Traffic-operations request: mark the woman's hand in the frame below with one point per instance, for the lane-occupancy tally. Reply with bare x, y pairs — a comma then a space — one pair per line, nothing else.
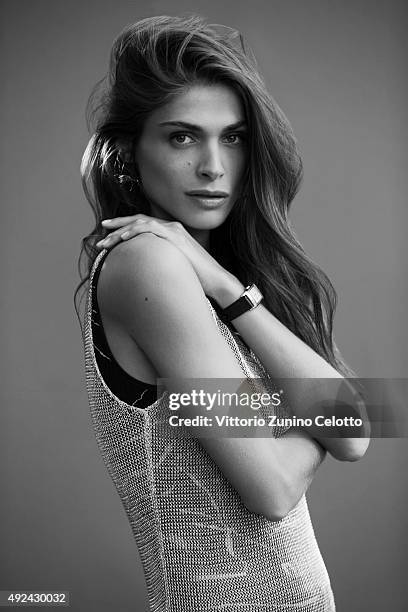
211, 274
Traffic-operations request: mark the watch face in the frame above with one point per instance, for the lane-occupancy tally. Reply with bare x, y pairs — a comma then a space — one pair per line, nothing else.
257, 294
254, 295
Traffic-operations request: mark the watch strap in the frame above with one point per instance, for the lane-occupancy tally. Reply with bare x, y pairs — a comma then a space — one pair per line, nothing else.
250, 298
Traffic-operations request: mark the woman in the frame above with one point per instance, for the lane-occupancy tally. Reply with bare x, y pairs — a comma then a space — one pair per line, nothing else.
195, 167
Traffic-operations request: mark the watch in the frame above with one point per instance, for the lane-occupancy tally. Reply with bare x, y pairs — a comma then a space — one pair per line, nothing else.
250, 299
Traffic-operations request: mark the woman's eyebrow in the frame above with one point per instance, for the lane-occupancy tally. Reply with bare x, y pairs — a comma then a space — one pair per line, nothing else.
197, 128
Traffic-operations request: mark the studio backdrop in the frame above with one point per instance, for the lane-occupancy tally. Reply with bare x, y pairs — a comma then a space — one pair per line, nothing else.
338, 71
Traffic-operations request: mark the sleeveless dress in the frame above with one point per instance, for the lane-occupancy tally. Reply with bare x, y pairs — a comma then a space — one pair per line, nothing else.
200, 548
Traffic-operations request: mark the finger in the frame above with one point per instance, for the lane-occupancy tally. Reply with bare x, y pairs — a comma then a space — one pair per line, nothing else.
116, 236
109, 241
134, 230
120, 221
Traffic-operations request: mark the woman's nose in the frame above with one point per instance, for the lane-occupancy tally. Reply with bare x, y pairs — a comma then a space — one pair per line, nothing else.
210, 165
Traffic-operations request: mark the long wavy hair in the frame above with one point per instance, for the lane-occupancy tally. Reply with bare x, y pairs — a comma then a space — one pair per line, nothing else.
152, 61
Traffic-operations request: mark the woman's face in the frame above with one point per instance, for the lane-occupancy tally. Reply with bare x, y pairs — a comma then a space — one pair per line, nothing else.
191, 157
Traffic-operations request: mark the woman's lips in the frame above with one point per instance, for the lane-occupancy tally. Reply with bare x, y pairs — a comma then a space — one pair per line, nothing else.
206, 202
209, 200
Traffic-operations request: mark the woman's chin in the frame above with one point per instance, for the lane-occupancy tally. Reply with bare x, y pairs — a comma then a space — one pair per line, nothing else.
205, 220
200, 220
204, 225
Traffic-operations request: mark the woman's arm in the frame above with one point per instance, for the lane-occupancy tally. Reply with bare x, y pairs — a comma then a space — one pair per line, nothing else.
270, 475
151, 289
284, 355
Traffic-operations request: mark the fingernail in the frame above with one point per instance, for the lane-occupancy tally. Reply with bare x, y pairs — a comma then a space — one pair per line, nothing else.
125, 235
106, 221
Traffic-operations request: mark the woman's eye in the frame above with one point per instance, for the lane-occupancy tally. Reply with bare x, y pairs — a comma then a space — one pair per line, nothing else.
181, 138
237, 138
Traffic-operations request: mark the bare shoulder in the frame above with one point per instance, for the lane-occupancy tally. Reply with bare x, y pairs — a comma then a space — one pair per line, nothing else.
146, 255
145, 271
151, 291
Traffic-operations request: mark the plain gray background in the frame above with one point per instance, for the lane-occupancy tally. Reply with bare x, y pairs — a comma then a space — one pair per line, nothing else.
338, 71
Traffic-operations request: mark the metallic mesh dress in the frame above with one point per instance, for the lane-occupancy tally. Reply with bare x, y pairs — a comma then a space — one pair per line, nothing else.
200, 548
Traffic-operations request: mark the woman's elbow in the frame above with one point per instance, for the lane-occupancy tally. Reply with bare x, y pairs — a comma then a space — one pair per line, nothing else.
354, 451
276, 506
272, 512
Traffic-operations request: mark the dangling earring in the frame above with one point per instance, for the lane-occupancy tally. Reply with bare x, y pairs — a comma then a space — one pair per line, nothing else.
122, 174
